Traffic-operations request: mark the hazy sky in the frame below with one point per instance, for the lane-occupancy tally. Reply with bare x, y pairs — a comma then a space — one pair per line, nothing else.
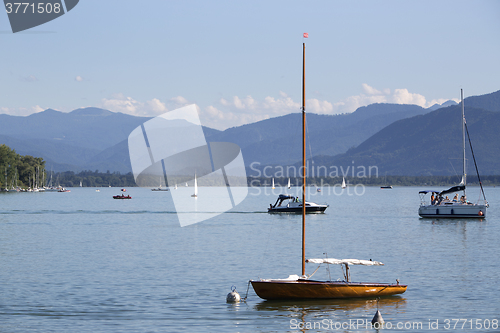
240, 61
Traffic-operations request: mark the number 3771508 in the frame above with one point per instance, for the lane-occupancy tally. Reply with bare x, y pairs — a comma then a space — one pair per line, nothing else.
26, 8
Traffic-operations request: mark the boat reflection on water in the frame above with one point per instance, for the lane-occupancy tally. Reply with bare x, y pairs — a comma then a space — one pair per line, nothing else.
343, 304
329, 314
451, 221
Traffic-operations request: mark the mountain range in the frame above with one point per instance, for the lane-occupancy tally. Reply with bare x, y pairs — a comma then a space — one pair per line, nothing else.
398, 139
431, 144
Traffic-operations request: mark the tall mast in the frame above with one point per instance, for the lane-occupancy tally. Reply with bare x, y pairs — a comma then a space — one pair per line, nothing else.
464, 174
304, 159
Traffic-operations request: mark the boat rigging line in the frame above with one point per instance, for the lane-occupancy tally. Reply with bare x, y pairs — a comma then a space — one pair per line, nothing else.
475, 164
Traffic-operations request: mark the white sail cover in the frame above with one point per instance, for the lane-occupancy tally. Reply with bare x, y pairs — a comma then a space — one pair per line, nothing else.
334, 261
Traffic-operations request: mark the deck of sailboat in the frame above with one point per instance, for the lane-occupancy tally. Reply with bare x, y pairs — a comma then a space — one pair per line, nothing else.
453, 210
311, 289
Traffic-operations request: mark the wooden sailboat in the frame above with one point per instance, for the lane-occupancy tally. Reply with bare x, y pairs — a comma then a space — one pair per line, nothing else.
195, 195
303, 287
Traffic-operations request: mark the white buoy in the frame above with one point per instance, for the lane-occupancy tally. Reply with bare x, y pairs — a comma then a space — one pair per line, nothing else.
233, 296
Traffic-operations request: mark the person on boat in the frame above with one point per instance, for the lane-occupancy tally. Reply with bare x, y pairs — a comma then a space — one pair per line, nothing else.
455, 198
447, 199
462, 199
433, 199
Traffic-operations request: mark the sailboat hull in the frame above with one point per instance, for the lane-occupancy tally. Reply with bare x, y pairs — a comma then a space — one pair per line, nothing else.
309, 289
453, 211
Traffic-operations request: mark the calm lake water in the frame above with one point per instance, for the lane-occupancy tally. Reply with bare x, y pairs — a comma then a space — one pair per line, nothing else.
83, 262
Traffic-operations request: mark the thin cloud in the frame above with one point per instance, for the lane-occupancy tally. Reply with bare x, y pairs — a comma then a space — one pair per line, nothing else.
131, 106
79, 78
29, 78
237, 111
179, 100
21, 111
372, 95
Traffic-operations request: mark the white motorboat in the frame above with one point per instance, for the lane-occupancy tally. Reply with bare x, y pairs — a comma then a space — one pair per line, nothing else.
290, 204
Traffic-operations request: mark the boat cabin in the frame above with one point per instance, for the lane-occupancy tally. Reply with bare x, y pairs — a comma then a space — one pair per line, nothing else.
284, 197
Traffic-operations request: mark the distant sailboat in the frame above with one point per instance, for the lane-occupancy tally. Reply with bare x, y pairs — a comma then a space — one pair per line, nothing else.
175, 188
289, 186
273, 185
195, 195
386, 186
159, 188
343, 183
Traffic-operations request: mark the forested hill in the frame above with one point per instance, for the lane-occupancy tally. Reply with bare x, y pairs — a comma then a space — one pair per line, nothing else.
19, 171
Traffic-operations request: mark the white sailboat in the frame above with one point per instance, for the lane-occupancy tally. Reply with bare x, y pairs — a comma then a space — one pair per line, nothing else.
160, 188
195, 195
273, 185
175, 188
442, 206
343, 183
289, 186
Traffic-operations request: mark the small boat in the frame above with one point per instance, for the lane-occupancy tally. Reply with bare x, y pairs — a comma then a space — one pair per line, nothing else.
303, 287
97, 190
441, 206
195, 195
159, 188
385, 182
62, 189
343, 183
290, 204
175, 188
289, 186
272, 186
122, 196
